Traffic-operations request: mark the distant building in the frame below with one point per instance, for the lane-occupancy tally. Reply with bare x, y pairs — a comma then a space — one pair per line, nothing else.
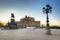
23, 23
28, 22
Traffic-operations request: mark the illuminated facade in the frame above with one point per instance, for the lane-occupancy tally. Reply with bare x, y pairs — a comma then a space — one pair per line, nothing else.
28, 22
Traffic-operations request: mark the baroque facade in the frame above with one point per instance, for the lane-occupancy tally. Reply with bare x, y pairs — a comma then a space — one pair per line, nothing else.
28, 22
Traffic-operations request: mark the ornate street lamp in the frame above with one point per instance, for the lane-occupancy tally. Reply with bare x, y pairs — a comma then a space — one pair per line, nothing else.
46, 10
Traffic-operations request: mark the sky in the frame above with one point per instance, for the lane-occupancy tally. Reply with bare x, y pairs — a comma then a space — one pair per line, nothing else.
32, 8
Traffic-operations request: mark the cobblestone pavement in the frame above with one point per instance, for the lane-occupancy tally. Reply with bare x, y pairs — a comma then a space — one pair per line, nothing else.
29, 34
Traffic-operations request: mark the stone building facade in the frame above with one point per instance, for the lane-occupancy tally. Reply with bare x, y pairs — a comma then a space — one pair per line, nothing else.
28, 22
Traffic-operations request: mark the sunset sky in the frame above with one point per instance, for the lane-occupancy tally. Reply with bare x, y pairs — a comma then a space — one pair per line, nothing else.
32, 8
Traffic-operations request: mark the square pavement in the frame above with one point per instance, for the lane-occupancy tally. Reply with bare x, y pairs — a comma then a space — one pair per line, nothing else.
29, 34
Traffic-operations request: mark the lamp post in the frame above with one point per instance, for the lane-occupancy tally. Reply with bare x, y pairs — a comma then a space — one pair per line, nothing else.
46, 10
